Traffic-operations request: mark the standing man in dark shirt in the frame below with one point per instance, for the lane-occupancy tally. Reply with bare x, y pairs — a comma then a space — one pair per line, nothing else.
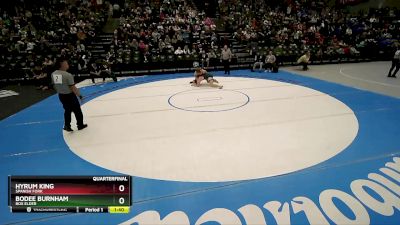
67, 92
395, 63
258, 61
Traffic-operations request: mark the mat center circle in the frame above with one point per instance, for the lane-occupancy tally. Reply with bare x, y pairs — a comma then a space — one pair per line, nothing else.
211, 100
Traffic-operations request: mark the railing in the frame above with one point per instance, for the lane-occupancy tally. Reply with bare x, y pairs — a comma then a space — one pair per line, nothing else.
173, 64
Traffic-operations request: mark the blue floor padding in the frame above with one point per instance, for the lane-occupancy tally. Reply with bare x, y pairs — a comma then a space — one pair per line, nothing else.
31, 143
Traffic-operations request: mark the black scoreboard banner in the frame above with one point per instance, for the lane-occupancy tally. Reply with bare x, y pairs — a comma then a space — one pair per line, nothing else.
78, 194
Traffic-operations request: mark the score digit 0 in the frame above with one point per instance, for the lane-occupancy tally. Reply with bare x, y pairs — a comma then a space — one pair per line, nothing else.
121, 188
121, 200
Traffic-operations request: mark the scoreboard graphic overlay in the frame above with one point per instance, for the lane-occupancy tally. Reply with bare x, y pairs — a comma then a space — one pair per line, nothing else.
93, 194
360, 185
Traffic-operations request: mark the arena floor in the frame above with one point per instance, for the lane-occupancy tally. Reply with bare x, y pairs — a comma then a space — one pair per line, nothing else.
294, 147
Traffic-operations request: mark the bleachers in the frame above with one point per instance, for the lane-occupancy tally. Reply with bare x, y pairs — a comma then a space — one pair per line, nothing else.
246, 38
49, 31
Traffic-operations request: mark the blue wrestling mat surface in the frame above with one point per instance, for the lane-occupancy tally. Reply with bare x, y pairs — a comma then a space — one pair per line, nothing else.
360, 185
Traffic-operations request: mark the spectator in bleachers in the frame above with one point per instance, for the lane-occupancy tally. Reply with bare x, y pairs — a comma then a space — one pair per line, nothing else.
47, 68
178, 51
39, 78
258, 62
176, 25
287, 27
80, 47
34, 30
142, 46
309, 23
186, 50
205, 60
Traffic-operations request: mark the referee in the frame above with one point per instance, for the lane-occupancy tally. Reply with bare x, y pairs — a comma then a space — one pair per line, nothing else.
226, 56
67, 93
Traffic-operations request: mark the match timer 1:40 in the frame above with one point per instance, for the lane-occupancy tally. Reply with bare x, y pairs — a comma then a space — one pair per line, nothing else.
89, 194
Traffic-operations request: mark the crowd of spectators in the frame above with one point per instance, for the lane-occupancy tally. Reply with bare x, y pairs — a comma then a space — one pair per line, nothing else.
172, 33
292, 27
32, 35
169, 33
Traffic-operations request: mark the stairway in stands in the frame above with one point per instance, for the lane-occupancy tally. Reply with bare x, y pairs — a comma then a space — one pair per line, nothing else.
241, 52
100, 45
198, 5
102, 42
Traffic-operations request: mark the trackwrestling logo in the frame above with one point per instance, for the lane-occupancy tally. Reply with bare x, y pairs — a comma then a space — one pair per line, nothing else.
385, 201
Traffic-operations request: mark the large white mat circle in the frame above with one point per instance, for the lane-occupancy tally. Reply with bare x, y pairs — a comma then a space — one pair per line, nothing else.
283, 128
